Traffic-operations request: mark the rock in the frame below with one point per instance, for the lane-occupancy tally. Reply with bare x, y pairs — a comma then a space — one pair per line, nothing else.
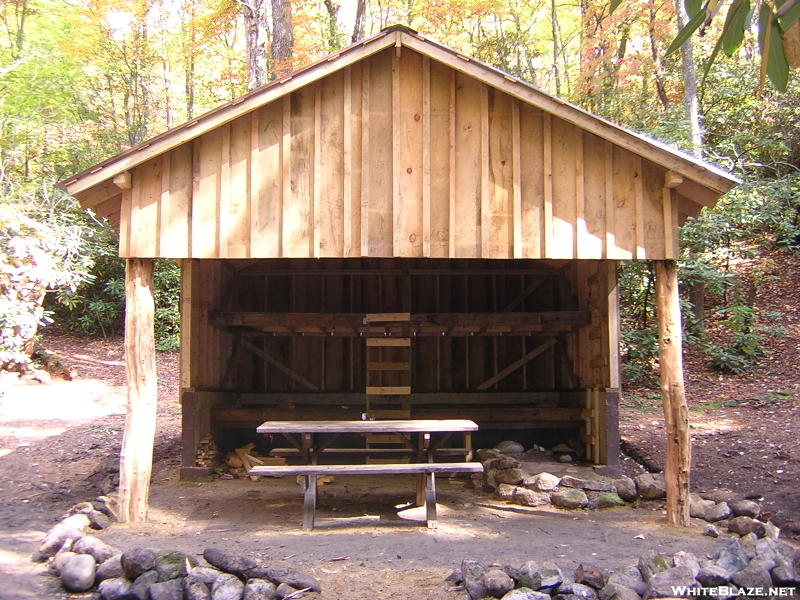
284, 590
607, 500
748, 543
512, 572
61, 559
227, 587
564, 458
524, 593
259, 589
626, 488
95, 547
616, 591
569, 498
98, 521
576, 591
782, 552
484, 454
530, 575
784, 575
551, 575
688, 560
595, 485
510, 476
698, 507
506, 492
167, 590
746, 508
490, 480
652, 562
117, 588
662, 584
745, 525
110, 569
731, 557
293, 577
55, 538
752, 576
771, 531
629, 577
542, 482
172, 565
136, 561
718, 512
497, 583
205, 574
501, 463
713, 576
527, 497
711, 531
651, 486
140, 590
510, 447
589, 575
194, 589
764, 562
473, 574
561, 448
77, 575
230, 563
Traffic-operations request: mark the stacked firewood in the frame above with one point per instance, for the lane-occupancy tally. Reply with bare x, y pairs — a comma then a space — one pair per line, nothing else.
207, 453
237, 463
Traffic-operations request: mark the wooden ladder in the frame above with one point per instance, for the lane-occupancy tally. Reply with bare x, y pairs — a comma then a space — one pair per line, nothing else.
388, 352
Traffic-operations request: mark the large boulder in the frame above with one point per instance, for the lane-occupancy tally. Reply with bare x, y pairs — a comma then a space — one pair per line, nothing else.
78, 573
173, 565
746, 508
575, 591
616, 591
295, 578
551, 575
753, 575
607, 500
594, 485
140, 590
167, 590
55, 538
688, 560
699, 507
110, 569
94, 547
713, 576
194, 589
511, 476
651, 486
524, 593
718, 512
630, 577
117, 588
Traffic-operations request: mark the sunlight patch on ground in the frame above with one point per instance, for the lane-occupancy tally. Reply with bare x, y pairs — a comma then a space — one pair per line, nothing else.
62, 400
30, 432
705, 426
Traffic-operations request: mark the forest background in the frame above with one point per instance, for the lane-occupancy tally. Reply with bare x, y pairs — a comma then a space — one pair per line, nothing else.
81, 80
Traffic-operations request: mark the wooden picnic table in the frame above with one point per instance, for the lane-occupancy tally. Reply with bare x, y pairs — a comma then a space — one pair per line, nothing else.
312, 439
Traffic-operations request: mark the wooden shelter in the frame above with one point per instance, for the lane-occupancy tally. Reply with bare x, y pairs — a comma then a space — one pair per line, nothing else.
399, 176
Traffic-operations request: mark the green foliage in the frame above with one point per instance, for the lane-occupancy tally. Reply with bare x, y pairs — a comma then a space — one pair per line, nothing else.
746, 340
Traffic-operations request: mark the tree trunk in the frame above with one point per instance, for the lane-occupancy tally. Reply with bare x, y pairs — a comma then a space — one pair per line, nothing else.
136, 456
256, 28
676, 411
691, 105
282, 38
358, 27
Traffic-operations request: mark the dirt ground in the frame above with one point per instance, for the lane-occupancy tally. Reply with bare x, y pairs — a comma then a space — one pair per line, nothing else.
57, 439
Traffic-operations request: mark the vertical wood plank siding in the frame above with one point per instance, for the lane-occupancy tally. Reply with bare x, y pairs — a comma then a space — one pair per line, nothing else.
398, 156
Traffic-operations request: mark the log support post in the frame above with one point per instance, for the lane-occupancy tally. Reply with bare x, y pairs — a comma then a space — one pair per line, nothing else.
136, 456
676, 410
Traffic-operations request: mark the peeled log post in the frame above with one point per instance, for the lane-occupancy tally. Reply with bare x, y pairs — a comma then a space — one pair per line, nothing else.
136, 457
676, 411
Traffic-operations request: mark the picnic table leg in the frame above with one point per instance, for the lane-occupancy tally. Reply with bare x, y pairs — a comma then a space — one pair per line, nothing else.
309, 501
430, 500
422, 456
